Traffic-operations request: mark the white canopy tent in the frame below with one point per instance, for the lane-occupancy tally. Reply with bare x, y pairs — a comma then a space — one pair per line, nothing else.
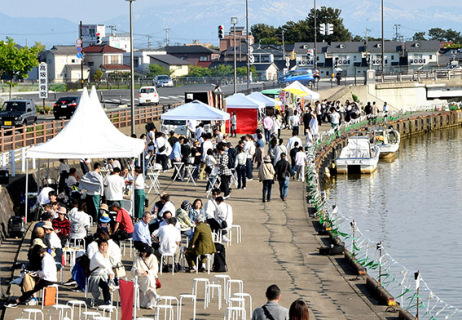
269, 102
239, 100
195, 110
89, 134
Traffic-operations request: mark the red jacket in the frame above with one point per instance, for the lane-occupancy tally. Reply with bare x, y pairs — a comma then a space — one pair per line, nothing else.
64, 225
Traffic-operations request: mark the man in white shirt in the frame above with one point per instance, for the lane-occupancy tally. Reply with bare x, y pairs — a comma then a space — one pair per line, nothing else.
291, 143
199, 131
295, 122
211, 205
300, 163
169, 241
167, 205
163, 150
71, 179
206, 145
334, 119
48, 276
114, 187
249, 149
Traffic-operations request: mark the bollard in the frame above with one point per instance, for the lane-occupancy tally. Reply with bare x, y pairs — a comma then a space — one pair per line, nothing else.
380, 247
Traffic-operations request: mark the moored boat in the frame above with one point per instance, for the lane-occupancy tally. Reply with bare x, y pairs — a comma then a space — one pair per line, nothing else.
359, 156
387, 140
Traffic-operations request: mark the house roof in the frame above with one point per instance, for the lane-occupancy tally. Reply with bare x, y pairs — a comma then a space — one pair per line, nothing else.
63, 50
189, 49
422, 46
169, 59
102, 48
115, 67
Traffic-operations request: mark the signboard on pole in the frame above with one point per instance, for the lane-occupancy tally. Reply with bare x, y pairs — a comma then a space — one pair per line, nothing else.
43, 80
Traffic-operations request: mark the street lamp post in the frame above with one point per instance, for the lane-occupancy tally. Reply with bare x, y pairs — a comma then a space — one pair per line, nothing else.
315, 38
383, 49
248, 42
132, 70
234, 22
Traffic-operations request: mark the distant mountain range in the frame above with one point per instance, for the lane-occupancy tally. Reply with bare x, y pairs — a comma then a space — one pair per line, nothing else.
190, 20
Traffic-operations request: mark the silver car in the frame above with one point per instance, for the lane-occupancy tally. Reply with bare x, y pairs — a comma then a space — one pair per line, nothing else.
163, 81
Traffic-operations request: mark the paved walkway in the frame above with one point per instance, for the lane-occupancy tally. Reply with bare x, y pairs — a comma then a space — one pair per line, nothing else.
279, 245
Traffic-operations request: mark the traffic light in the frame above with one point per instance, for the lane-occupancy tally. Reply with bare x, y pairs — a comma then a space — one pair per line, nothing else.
221, 32
330, 28
98, 38
322, 28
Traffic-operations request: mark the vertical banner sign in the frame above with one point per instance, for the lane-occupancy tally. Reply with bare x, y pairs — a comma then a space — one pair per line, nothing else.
43, 81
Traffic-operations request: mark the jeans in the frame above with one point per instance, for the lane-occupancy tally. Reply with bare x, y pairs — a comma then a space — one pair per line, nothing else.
267, 135
284, 187
241, 179
248, 168
267, 186
162, 159
295, 130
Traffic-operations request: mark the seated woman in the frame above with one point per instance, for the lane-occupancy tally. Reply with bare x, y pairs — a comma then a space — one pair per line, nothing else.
47, 276
182, 215
145, 267
196, 210
102, 273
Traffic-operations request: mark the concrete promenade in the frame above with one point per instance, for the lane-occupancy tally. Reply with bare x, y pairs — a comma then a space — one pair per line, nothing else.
279, 245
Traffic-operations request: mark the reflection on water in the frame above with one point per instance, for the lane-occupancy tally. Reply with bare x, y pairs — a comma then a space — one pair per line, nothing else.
413, 205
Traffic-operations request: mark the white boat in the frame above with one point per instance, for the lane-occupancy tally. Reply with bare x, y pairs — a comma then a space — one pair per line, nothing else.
387, 140
359, 156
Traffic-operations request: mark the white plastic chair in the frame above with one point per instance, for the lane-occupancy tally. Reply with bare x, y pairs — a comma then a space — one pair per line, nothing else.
208, 262
243, 296
167, 256
234, 313
187, 296
77, 303
223, 278
30, 312
64, 311
209, 290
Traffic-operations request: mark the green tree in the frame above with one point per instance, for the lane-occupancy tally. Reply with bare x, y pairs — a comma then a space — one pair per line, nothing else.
265, 34
98, 75
419, 36
17, 61
303, 30
198, 71
155, 70
454, 36
437, 34
242, 71
221, 70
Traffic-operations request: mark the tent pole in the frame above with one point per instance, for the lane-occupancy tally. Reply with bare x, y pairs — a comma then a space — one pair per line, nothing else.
38, 176
27, 190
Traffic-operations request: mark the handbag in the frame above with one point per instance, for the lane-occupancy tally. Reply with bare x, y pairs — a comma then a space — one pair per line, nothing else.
158, 284
120, 270
49, 298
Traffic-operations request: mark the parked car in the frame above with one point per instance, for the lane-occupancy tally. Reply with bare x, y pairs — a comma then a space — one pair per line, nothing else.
16, 113
178, 126
148, 95
163, 81
65, 107
304, 76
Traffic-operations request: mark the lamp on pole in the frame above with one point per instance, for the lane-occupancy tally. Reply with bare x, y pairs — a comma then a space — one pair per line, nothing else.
132, 70
315, 38
383, 49
234, 22
248, 42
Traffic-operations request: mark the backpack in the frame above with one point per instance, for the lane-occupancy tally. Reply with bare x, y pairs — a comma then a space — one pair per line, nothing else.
85, 264
219, 261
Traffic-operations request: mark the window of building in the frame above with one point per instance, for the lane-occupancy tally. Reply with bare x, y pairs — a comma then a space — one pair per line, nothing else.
430, 56
203, 58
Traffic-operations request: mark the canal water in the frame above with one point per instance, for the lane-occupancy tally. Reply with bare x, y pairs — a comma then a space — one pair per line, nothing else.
414, 205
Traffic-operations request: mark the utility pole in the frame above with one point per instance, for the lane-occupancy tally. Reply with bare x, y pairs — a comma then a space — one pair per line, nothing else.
113, 28
234, 22
248, 42
283, 47
397, 26
149, 40
315, 38
167, 42
368, 58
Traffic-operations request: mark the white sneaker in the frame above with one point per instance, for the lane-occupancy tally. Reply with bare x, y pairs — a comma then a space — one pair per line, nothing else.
225, 239
149, 306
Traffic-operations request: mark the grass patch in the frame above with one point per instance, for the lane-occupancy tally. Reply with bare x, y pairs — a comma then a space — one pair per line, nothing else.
58, 87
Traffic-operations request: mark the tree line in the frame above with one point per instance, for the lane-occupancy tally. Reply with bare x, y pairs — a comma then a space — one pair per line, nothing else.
303, 30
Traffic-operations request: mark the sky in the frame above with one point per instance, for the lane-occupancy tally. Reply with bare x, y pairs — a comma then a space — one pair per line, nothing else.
198, 19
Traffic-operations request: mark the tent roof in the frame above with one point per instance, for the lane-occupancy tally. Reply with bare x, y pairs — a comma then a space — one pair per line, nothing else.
195, 110
89, 134
300, 90
269, 102
239, 100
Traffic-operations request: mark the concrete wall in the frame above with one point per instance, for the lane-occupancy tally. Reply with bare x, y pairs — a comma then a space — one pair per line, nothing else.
6, 211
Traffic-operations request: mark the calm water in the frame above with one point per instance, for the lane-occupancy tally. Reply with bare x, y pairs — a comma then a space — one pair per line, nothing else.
414, 205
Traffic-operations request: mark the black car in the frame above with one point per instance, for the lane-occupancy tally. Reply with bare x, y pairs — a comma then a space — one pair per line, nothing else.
65, 107
16, 113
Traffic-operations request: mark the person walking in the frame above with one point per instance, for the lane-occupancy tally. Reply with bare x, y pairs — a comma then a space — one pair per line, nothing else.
266, 175
271, 309
233, 124
282, 170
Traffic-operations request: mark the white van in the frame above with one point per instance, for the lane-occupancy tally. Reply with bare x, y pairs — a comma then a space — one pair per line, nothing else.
178, 126
148, 95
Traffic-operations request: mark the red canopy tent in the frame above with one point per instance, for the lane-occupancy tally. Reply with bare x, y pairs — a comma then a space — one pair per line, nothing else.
247, 112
